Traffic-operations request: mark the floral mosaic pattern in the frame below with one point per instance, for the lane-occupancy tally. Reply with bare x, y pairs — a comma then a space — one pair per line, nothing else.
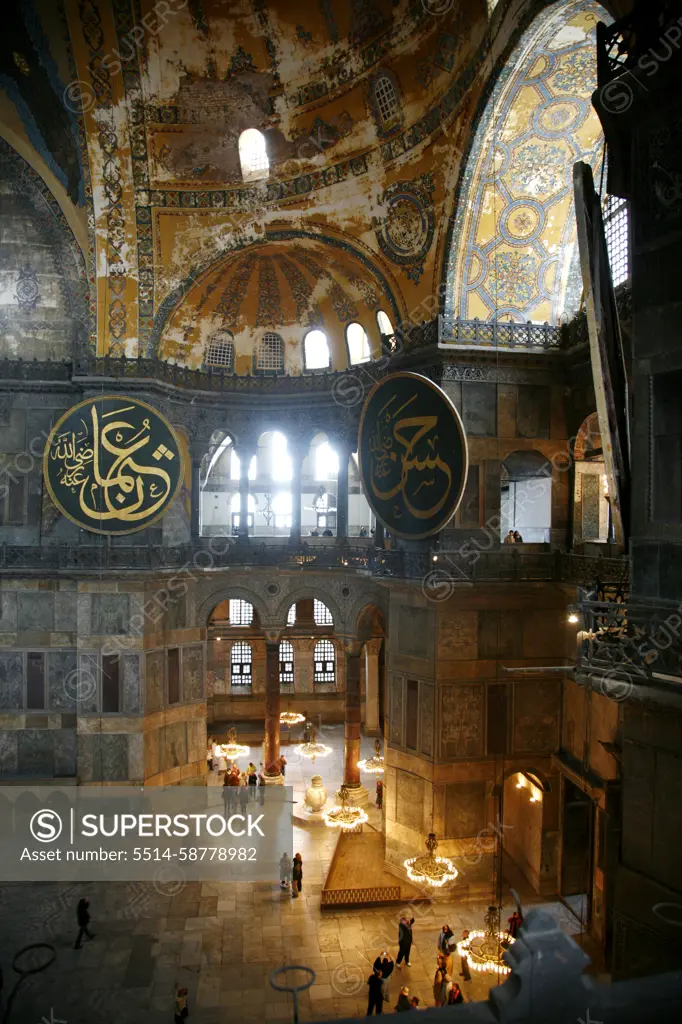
514, 246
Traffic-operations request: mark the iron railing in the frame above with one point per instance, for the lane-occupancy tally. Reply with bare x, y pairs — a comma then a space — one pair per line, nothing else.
497, 334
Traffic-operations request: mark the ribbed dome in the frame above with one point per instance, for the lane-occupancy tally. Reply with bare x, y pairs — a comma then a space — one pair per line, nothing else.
284, 287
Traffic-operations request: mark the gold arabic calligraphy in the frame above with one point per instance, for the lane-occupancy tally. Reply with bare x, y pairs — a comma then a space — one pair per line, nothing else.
416, 473
128, 491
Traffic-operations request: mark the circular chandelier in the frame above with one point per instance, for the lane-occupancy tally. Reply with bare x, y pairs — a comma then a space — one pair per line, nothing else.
232, 749
344, 816
291, 718
484, 950
374, 765
312, 749
429, 869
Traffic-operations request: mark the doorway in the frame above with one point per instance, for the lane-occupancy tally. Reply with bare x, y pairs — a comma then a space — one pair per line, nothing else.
577, 851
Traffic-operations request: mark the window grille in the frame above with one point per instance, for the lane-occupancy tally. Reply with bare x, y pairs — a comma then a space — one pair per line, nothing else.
240, 665
253, 155
286, 663
241, 612
220, 351
386, 97
325, 662
616, 229
321, 614
291, 617
270, 352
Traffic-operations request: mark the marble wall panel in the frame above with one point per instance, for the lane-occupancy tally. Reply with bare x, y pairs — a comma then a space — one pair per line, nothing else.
192, 672
426, 699
153, 680
114, 753
61, 673
136, 757
87, 686
464, 809
414, 632
9, 752
462, 707
151, 753
410, 801
35, 611
65, 747
131, 682
396, 716
36, 753
8, 612
532, 419
11, 680
458, 634
537, 713
65, 612
89, 758
110, 614
173, 745
479, 409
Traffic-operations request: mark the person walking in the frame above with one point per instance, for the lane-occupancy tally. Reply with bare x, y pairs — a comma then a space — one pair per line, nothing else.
227, 797
384, 964
464, 971
283, 765
446, 934
404, 941
285, 875
376, 998
380, 793
297, 876
209, 753
404, 1003
440, 983
83, 918
261, 788
181, 1010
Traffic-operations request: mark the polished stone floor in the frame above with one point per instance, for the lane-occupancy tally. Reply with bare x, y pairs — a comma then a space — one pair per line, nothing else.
221, 940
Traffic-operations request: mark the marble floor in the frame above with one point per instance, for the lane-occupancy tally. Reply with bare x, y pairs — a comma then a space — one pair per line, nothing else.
222, 940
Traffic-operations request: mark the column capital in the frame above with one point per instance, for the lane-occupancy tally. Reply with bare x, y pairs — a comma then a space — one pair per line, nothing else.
374, 645
272, 635
351, 646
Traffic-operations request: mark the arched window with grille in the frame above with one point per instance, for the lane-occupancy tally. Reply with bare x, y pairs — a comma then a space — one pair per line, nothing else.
241, 612
291, 616
316, 354
387, 101
286, 665
253, 155
324, 660
321, 614
270, 356
358, 344
220, 351
241, 660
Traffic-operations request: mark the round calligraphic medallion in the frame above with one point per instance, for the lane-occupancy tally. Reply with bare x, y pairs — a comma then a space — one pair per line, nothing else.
113, 465
413, 455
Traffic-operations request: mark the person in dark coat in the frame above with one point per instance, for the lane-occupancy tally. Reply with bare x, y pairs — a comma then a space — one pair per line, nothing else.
464, 971
444, 939
297, 876
376, 993
515, 922
181, 1011
83, 918
384, 964
404, 941
380, 793
403, 1003
455, 995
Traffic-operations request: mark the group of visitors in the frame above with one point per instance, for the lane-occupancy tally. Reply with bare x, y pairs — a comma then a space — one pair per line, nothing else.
379, 987
291, 874
513, 537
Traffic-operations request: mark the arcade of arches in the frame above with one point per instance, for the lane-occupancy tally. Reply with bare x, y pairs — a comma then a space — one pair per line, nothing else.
245, 215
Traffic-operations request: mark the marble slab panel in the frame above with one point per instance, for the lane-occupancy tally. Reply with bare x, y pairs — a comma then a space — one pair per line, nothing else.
66, 611
36, 752
8, 612
9, 752
65, 753
35, 611
131, 686
61, 680
192, 672
110, 614
11, 680
154, 671
114, 750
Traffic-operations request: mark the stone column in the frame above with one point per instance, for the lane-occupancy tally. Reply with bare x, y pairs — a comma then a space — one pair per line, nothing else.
372, 649
342, 494
357, 794
272, 773
297, 453
378, 534
197, 453
245, 453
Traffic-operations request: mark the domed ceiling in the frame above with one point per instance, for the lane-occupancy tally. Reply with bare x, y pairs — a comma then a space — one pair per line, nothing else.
288, 285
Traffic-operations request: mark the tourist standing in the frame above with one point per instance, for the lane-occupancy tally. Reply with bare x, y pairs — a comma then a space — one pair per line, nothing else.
384, 964
227, 796
414, 1003
83, 918
404, 941
297, 876
509, 539
376, 996
515, 922
181, 1010
446, 934
454, 994
518, 539
380, 793
285, 869
464, 963
283, 765
209, 753
403, 1003
440, 983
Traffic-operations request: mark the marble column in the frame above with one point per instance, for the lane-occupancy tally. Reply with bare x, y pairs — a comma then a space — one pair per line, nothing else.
297, 453
245, 453
342, 494
357, 794
372, 649
197, 454
272, 774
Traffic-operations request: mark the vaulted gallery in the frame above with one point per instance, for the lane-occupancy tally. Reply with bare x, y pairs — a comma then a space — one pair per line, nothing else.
340, 482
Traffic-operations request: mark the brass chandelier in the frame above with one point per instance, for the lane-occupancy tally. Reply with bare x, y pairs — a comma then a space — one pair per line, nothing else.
312, 749
344, 816
291, 718
430, 869
373, 765
484, 950
232, 750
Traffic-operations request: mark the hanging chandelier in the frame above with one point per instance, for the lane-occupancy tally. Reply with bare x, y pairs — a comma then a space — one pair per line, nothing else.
312, 749
484, 950
373, 765
429, 869
344, 816
232, 750
291, 718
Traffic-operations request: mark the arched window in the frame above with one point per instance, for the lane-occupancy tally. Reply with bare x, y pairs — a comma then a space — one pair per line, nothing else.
286, 665
235, 509
616, 229
220, 351
282, 469
321, 614
316, 353
241, 612
384, 324
270, 357
240, 665
253, 155
281, 507
324, 660
358, 344
235, 467
326, 462
526, 497
387, 102
291, 616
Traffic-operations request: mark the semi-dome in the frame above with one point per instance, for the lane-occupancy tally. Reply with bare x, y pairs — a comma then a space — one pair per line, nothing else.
270, 307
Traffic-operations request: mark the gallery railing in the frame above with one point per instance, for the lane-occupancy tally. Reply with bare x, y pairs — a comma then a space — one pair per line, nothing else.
450, 569
453, 332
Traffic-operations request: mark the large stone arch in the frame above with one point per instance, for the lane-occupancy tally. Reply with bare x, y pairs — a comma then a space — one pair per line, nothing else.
223, 592
306, 593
